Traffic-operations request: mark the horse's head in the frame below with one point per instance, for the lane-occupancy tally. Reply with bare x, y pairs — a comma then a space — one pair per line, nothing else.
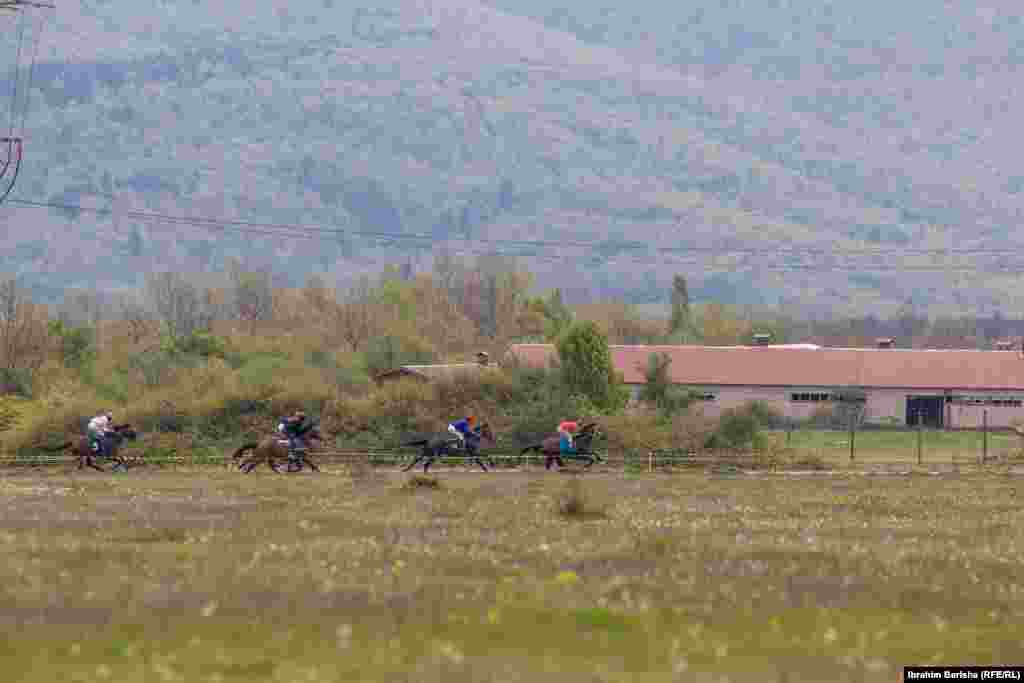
125, 432
586, 434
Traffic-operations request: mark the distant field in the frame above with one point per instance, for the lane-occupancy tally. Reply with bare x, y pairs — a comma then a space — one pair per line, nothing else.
937, 447
205, 575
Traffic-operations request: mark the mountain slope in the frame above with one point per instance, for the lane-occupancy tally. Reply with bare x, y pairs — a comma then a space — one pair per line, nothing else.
754, 125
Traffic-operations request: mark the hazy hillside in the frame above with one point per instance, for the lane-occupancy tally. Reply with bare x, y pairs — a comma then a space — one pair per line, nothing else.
750, 124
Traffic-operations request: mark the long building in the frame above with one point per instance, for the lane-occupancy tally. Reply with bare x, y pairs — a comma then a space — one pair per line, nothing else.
954, 389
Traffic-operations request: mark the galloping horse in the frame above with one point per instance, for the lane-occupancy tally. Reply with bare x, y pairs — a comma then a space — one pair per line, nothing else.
83, 449
551, 447
275, 448
444, 444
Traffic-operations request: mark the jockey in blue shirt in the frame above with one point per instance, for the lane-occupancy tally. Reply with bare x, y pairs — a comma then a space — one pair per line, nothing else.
295, 428
462, 428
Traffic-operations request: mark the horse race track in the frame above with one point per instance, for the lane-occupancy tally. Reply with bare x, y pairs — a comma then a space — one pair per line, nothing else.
208, 575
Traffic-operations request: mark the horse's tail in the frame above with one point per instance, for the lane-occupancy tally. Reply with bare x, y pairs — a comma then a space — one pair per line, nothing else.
54, 449
535, 447
244, 448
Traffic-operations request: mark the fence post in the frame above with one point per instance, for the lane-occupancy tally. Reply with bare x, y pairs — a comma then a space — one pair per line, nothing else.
984, 435
920, 436
853, 432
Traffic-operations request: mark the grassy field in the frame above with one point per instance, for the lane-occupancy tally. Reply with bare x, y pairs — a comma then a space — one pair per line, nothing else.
207, 575
937, 447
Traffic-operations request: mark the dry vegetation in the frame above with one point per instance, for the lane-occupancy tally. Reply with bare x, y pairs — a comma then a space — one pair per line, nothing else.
198, 364
199, 575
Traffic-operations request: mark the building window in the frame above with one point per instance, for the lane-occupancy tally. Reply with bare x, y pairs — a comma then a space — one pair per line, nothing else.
994, 401
811, 397
706, 396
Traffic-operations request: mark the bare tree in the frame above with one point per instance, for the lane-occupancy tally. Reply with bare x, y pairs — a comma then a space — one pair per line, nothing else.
352, 321
141, 322
322, 302
449, 275
356, 321
251, 293
24, 338
84, 308
179, 305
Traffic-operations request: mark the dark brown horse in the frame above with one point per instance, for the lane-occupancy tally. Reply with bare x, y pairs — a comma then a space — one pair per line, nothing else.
86, 455
272, 449
440, 445
551, 448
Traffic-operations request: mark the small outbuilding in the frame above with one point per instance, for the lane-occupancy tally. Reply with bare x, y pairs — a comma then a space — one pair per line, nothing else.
440, 371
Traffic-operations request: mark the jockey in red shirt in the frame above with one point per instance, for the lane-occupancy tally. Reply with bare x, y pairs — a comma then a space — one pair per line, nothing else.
566, 430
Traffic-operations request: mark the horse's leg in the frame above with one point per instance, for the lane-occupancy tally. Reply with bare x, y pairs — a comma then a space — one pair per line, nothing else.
312, 465
480, 461
430, 457
91, 463
412, 463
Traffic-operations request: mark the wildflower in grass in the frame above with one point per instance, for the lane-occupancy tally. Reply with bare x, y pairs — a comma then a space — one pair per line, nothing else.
567, 578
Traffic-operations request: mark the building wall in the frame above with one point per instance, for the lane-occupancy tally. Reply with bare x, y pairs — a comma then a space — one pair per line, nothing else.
966, 416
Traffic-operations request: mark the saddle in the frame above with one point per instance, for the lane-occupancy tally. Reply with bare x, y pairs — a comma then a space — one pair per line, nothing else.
471, 442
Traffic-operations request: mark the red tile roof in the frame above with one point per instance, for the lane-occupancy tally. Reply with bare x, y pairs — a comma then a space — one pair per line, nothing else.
814, 367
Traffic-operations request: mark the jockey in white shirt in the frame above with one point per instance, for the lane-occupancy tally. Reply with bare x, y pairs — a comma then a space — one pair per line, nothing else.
99, 428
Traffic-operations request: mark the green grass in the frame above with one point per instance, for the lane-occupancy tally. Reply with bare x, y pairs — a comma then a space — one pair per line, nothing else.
197, 574
899, 446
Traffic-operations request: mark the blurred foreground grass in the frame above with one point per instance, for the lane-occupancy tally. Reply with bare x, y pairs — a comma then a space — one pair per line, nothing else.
202, 575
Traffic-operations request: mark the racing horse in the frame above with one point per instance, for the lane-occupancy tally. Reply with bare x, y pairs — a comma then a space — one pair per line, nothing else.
274, 448
439, 445
551, 448
86, 455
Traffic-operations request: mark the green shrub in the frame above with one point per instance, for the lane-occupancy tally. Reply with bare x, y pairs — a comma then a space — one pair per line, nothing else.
263, 370
76, 345
740, 428
153, 366
17, 381
200, 344
587, 368
391, 351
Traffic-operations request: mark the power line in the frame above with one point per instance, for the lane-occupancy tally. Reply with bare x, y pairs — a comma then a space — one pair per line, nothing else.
314, 232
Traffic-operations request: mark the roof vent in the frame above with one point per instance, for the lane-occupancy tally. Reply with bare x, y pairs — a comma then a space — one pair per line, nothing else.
483, 358
1004, 345
885, 343
762, 339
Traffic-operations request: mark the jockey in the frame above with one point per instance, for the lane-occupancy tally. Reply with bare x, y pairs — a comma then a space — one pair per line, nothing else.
294, 429
462, 428
566, 430
99, 429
